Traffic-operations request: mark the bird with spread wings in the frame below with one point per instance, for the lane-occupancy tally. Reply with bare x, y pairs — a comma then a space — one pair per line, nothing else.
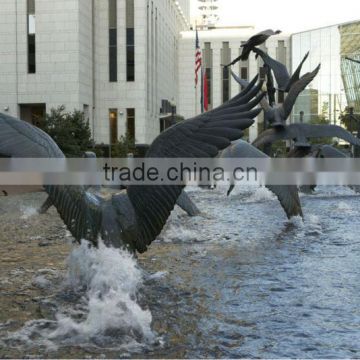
136, 216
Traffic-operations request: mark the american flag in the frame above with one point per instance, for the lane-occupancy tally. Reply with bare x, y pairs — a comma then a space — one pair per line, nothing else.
197, 58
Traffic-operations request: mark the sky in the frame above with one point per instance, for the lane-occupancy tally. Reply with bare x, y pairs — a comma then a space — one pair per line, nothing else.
287, 15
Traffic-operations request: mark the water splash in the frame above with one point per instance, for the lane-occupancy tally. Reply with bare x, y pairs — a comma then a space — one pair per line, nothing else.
105, 284
312, 227
261, 194
343, 206
27, 212
175, 232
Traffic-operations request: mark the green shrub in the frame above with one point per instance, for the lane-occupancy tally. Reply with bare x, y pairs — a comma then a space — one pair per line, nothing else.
124, 146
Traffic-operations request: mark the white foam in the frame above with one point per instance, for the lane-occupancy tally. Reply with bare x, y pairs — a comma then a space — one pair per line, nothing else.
106, 281
41, 282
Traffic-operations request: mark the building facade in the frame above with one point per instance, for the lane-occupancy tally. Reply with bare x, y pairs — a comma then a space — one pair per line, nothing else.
337, 85
129, 64
116, 60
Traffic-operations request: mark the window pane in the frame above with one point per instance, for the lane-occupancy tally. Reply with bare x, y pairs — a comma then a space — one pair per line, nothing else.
130, 63
130, 126
130, 55
244, 73
130, 13
209, 81
130, 72
112, 37
112, 14
31, 24
113, 126
130, 36
113, 63
31, 7
31, 27
31, 54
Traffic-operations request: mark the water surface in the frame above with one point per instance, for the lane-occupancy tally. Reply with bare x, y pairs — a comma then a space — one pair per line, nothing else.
238, 281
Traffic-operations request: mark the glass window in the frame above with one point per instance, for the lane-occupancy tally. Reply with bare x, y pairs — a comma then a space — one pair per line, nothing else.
113, 63
113, 125
130, 123
112, 14
130, 41
225, 59
112, 40
208, 57
31, 29
243, 75
226, 84
209, 83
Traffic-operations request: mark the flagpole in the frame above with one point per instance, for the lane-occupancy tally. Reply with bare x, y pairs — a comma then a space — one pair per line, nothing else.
202, 90
195, 85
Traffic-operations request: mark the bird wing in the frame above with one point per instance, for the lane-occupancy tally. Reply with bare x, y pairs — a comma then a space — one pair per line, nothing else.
318, 131
19, 139
269, 136
328, 151
353, 60
245, 84
296, 89
280, 71
241, 99
22, 140
201, 137
258, 38
287, 195
296, 75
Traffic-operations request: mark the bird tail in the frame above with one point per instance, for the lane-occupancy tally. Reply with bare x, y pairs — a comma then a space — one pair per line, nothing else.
187, 205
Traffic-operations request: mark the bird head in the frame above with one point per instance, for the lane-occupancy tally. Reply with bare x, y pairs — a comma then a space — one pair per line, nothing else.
277, 32
275, 117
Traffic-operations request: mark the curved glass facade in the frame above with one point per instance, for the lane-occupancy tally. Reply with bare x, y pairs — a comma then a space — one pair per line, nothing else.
350, 48
337, 84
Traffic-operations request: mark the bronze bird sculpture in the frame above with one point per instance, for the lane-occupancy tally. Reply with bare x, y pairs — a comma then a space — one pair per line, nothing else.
255, 40
277, 114
135, 217
287, 194
283, 79
301, 133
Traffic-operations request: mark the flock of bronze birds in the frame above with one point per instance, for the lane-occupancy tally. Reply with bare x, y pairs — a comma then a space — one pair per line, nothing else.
134, 217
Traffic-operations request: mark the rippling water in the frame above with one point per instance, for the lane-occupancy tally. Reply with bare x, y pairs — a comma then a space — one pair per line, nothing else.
238, 281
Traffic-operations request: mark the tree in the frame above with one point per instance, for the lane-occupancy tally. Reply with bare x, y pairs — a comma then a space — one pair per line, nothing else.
348, 120
69, 130
321, 119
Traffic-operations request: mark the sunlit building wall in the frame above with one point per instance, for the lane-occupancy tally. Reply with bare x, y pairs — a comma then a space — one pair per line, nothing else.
115, 60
